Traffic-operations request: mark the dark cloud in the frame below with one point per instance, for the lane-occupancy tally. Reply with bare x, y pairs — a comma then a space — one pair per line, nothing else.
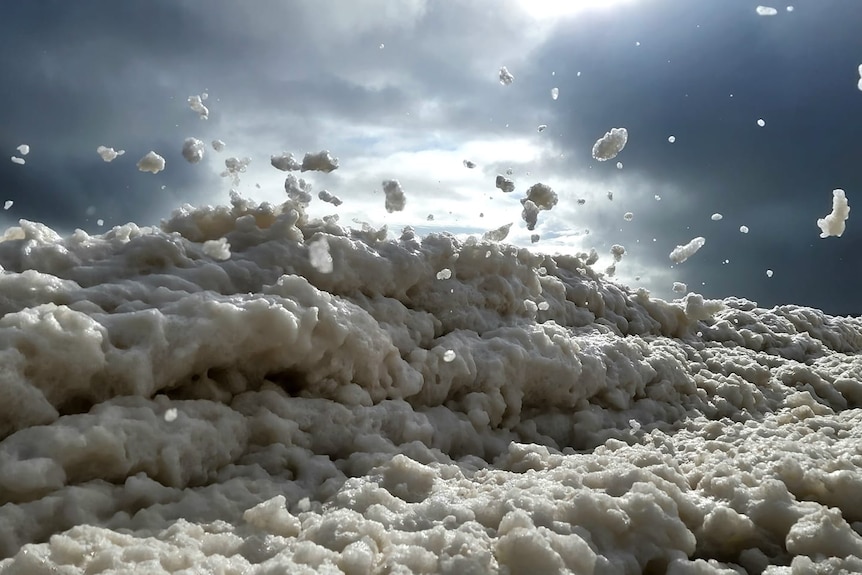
309, 76
796, 70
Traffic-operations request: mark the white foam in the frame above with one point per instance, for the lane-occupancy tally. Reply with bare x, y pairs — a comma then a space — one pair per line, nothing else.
193, 150
319, 162
834, 223
234, 416
395, 198
612, 143
285, 162
196, 104
152, 163
109, 154
682, 252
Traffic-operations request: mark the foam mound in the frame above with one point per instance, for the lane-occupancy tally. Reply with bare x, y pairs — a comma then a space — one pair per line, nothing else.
166, 406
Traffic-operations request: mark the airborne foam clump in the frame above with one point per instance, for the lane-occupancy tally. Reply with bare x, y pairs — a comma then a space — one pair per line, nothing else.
395, 199
234, 167
506, 77
469, 164
17, 160
497, 235
319, 162
196, 104
834, 223
671, 139
555, 93
716, 217
23, 149
530, 213
542, 195
618, 251
539, 197
285, 162
679, 287
612, 143
297, 189
505, 184
193, 150
683, 252
7, 204
151, 162
329, 198
628, 216
218, 145
859, 71
109, 154
542, 128
743, 229
766, 11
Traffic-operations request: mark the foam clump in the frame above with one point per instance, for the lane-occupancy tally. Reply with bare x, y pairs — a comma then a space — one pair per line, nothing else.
498, 234
395, 198
234, 166
539, 197
323, 400
329, 198
285, 162
612, 143
319, 162
682, 252
217, 249
151, 162
196, 103
504, 184
109, 154
766, 11
834, 223
193, 150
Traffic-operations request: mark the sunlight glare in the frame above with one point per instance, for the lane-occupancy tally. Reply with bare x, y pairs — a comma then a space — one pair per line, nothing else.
545, 9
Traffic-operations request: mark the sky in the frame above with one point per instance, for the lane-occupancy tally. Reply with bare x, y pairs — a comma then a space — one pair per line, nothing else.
408, 90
